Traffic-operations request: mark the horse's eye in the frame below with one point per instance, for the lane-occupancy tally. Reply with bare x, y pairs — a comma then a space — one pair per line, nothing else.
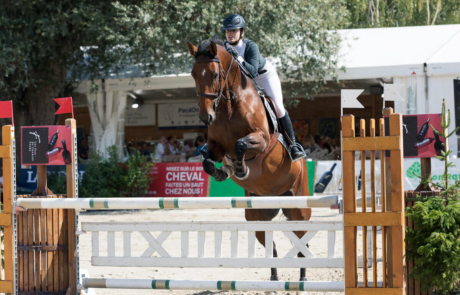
215, 76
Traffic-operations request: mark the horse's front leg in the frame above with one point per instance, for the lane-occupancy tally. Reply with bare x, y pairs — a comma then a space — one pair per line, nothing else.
213, 154
254, 142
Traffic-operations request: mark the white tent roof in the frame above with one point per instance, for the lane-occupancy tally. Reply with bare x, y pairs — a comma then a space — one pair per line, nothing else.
399, 51
365, 54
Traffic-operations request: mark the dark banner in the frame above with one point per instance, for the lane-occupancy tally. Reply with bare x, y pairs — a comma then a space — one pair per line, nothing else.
46, 145
420, 141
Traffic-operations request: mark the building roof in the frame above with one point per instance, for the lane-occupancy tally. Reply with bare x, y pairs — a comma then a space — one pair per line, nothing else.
399, 51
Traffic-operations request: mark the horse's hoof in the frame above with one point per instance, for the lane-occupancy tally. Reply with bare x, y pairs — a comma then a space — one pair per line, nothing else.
218, 179
303, 279
220, 176
243, 177
274, 278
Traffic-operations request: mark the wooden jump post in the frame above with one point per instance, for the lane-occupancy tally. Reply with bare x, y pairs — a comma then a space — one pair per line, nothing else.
40, 245
7, 218
393, 219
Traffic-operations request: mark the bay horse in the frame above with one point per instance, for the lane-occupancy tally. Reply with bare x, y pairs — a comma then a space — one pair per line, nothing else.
240, 135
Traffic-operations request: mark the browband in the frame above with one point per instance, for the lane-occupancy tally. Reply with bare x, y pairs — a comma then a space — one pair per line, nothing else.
208, 60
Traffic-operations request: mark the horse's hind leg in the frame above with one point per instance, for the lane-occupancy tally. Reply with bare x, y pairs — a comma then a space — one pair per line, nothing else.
264, 215
299, 214
300, 189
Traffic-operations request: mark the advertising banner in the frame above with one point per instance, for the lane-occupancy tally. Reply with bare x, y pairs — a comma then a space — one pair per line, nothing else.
142, 116
179, 180
46, 145
328, 174
179, 115
419, 139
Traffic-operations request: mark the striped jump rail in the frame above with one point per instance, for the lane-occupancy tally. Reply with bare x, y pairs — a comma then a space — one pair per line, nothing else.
212, 285
178, 203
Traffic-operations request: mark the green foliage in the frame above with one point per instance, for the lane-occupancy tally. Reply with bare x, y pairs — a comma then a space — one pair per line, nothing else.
42, 40
137, 175
103, 177
390, 13
57, 181
109, 178
434, 244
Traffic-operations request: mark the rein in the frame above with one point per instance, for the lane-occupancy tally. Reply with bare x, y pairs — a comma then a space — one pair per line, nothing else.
219, 93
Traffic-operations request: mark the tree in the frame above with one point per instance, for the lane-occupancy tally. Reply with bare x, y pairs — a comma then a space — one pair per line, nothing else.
391, 13
46, 45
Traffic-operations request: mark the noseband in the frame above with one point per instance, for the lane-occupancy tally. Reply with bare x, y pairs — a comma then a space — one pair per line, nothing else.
219, 93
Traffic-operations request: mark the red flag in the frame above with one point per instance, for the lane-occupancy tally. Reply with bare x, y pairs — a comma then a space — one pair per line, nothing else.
6, 110
65, 105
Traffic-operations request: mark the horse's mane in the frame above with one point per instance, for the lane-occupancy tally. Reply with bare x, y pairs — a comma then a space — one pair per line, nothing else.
203, 48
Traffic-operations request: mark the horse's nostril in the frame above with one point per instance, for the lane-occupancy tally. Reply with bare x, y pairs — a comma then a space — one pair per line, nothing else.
209, 118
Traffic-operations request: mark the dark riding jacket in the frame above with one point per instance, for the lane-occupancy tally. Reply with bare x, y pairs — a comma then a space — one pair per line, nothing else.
253, 60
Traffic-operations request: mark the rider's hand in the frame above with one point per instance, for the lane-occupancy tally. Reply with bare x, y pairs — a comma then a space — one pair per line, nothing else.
235, 53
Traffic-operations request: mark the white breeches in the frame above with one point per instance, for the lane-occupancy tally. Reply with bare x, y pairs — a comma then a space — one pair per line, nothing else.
271, 84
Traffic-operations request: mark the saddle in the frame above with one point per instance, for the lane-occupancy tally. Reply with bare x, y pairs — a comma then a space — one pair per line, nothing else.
272, 117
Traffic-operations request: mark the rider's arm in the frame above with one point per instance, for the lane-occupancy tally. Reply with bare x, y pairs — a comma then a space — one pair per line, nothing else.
251, 63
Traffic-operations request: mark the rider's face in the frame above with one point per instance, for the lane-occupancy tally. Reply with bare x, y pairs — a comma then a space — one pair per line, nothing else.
233, 35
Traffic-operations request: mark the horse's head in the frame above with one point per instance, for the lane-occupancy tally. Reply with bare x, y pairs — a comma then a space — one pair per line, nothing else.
209, 75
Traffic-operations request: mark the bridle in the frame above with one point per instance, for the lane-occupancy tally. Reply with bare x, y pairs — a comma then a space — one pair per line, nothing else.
219, 93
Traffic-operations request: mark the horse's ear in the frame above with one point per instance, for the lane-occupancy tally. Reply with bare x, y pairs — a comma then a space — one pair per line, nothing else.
213, 48
191, 48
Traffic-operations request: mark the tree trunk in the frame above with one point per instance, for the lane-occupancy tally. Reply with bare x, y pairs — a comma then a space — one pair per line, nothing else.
377, 13
428, 18
438, 7
37, 107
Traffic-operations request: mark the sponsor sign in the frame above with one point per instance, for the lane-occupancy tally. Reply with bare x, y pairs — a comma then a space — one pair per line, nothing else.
179, 115
411, 181
46, 145
27, 180
179, 180
144, 115
419, 139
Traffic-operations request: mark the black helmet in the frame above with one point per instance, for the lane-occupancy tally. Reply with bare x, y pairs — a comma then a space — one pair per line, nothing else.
233, 22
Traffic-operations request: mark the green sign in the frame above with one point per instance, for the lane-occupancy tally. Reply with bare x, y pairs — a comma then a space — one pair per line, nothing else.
414, 168
229, 188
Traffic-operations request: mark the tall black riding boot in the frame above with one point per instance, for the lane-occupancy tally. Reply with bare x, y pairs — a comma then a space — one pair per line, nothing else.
296, 149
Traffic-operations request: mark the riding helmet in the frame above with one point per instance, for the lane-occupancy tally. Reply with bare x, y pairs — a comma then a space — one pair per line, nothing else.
233, 22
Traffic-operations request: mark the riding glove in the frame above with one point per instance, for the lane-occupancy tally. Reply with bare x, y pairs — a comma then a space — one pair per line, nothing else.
235, 54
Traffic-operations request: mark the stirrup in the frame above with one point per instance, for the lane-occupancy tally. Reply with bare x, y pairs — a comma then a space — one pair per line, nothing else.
301, 148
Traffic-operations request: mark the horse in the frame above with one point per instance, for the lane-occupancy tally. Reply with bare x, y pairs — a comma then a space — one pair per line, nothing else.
240, 135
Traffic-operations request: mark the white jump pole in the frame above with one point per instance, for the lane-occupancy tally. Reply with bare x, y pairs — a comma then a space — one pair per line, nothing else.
178, 203
213, 285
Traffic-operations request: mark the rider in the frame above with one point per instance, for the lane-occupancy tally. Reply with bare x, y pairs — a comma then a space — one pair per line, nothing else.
248, 54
